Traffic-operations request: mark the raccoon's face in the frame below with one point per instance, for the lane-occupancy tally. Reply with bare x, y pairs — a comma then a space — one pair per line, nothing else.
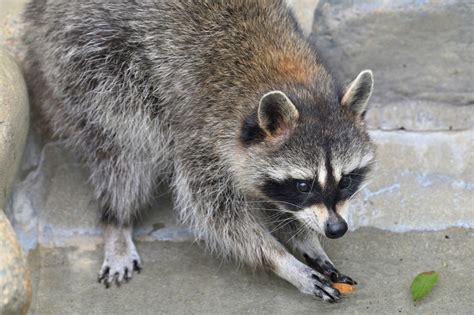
309, 159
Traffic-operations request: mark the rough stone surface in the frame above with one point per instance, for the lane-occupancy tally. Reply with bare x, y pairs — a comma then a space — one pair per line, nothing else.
421, 52
179, 278
304, 13
15, 289
15, 285
422, 181
11, 27
14, 117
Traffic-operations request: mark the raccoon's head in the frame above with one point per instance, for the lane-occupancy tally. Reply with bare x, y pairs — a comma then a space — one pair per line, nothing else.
307, 152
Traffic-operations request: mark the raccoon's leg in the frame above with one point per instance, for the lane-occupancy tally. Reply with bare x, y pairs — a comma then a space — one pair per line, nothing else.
229, 227
247, 241
123, 186
315, 256
251, 243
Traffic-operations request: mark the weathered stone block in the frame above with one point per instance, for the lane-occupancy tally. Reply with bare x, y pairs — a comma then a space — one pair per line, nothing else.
421, 54
15, 285
14, 120
422, 181
15, 288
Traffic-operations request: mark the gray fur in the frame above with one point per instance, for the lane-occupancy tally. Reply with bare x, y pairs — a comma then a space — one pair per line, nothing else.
148, 90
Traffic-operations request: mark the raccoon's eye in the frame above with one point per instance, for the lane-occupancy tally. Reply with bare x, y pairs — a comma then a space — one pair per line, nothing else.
345, 182
303, 186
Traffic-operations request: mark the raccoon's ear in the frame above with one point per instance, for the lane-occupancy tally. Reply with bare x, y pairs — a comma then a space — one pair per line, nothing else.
277, 115
357, 94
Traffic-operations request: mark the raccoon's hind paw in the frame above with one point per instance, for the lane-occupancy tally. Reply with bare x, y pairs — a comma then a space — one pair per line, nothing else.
119, 269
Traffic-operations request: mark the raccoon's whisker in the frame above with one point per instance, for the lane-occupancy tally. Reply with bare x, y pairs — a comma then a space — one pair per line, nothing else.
298, 231
304, 227
275, 220
278, 201
291, 204
277, 214
283, 223
359, 190
280, 211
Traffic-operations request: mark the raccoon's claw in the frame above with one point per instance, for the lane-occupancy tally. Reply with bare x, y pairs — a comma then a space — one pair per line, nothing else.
118, 271
338, 277
328, 270
137, 266
335, 276
323, 289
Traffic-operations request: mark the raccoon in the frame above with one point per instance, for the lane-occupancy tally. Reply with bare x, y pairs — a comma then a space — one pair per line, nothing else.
227, 101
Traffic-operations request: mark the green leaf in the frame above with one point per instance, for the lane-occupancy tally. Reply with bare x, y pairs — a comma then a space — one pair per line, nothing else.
423, 284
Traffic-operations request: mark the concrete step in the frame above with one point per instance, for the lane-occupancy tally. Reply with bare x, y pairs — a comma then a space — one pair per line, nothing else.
421, 52
422, 181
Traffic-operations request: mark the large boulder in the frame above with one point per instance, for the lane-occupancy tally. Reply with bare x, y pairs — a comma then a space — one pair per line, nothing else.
15, 287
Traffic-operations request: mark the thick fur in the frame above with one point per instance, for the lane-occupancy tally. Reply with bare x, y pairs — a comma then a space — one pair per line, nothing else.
144, 90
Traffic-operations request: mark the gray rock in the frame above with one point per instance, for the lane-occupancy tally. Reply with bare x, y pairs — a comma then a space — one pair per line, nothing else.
421, 54
304, 13
15, 288
15, 284
14, 120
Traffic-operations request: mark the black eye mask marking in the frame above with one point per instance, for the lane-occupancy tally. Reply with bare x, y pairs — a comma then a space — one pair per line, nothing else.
297, 194
292, 192
350, 183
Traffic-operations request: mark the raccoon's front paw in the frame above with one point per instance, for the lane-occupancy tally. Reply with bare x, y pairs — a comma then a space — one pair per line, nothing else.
119, 267
338, 277
327, 269
319, 286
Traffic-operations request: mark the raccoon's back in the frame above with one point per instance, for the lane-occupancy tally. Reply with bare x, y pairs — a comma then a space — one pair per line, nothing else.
168, 60
85, 48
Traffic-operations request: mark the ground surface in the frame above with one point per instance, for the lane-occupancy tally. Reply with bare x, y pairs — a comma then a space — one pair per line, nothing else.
180, 278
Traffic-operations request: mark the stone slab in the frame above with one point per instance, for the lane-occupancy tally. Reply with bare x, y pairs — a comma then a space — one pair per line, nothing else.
421, 53
422, 181
179, 278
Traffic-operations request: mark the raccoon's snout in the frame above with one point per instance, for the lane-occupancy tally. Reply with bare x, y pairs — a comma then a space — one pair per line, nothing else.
335, 227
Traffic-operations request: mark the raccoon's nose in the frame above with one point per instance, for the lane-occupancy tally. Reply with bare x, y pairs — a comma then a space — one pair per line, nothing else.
336, 229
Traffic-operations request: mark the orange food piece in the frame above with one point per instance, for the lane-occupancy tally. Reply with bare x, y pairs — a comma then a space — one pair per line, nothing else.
343, 287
